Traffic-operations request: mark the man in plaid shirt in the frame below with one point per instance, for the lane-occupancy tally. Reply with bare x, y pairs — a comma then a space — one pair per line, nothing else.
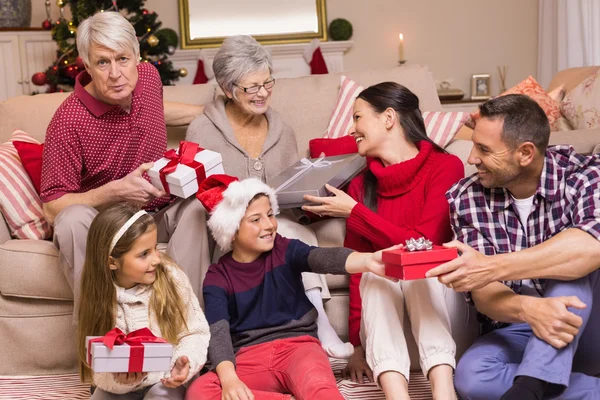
527, 226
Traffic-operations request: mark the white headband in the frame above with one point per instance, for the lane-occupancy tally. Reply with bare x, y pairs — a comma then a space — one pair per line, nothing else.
124, 229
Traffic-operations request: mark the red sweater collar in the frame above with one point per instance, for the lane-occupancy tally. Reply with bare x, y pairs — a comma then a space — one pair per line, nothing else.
399, 178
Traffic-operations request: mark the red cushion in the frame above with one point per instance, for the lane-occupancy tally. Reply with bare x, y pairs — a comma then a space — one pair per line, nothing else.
332, 147
31, 158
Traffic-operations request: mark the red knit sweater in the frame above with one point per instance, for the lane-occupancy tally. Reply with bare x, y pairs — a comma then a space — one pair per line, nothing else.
411, 203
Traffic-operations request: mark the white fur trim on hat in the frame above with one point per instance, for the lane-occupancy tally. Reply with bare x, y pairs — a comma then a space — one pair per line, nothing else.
225, 218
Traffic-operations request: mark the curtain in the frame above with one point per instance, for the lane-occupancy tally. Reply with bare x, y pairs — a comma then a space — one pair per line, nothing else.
568, 36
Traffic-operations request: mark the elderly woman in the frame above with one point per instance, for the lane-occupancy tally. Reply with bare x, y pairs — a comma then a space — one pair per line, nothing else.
255, 142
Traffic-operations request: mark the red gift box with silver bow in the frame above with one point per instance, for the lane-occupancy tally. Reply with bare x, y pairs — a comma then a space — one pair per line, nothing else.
139, 351
407, 265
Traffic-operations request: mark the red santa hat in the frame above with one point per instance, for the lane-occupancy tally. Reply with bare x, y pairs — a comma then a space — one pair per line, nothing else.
314, 57
226, 199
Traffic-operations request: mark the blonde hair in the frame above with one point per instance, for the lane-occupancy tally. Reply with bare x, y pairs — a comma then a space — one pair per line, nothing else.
108, 29
98, 300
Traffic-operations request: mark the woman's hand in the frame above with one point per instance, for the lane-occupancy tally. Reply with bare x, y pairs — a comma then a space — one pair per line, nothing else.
130, 378
339, 205
357, 367
234, 389
179, 373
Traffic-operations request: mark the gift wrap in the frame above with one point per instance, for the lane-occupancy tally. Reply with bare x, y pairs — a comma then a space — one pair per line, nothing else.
410, 263
309, 176
139, 351
181, 171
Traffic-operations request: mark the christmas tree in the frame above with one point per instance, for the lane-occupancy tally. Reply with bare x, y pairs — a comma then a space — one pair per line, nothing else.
155, 43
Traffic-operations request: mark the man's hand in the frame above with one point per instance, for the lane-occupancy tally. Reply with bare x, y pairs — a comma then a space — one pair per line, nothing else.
550, 319
179, 373
472, 270
134, 189
357, 367
130, 378
234, 389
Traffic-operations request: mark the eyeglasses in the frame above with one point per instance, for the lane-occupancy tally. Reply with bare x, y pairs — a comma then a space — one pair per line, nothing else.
268, 85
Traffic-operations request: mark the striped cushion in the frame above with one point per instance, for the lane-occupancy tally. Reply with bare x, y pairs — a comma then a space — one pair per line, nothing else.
341, 117
441, 126
19, 203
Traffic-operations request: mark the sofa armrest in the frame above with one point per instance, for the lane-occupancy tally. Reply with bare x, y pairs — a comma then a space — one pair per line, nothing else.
4, 232
583, 140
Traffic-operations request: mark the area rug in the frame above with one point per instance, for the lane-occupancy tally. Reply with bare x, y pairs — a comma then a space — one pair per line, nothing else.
68, 387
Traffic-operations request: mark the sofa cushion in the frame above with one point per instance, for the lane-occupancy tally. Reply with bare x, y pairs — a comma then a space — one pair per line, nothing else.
533, 89
19, 202
442, 126
581, 106
31, 158
29, 268
341, 116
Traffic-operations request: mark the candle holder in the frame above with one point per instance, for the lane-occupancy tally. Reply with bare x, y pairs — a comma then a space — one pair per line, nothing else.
402, 62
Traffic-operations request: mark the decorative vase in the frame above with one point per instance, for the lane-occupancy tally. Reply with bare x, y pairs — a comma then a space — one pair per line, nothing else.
15, 13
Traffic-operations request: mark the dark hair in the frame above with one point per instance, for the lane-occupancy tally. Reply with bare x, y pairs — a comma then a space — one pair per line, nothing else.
406, 104
524, 120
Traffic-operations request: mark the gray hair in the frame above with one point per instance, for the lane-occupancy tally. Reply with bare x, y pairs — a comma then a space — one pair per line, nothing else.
238, 57
108, 29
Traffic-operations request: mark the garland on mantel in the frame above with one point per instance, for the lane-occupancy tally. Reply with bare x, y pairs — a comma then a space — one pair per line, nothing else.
155, 44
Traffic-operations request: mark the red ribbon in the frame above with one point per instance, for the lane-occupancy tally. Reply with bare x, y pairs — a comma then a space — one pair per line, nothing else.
185, 156
135, 340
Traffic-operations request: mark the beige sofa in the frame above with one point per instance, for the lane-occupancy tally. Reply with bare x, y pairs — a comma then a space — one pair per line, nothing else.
36, 303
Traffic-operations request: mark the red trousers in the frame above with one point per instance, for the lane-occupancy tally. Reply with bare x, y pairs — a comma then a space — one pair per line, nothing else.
296, 366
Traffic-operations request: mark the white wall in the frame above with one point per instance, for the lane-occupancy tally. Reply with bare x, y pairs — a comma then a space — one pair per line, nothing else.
454, 38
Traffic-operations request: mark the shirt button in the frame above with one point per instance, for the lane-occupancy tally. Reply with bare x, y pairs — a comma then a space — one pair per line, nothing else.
258, 166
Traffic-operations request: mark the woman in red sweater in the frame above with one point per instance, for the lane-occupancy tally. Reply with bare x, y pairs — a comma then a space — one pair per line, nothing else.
401, 195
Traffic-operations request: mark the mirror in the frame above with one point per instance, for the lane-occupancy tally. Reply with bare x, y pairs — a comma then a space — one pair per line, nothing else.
206, 23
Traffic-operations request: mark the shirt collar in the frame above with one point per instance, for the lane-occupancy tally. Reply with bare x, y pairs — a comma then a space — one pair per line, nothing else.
95, 106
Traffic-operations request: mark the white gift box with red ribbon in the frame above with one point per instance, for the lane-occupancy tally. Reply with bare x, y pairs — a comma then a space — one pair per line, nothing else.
184, 180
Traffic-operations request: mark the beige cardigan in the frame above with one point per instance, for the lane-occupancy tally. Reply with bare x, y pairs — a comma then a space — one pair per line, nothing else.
213, 131
132, 314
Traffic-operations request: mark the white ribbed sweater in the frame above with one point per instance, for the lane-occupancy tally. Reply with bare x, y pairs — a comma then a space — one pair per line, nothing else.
132, 314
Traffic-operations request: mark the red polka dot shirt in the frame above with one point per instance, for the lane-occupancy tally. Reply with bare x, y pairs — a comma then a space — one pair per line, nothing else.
90, 143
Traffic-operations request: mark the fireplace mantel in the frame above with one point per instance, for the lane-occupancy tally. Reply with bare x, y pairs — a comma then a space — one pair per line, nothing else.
288, 61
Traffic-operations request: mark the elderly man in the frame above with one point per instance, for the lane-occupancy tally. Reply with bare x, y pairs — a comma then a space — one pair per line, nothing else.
100, 143
527, 225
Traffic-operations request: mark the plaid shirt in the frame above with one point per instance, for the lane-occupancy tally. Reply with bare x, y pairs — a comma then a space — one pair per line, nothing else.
567, 197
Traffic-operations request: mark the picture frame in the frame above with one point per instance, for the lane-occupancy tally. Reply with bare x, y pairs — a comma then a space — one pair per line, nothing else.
481, 86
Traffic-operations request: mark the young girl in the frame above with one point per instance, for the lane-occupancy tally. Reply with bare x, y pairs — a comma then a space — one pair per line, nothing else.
127, 283
263, 327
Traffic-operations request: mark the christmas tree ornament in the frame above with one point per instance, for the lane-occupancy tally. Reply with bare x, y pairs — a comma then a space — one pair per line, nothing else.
183, 72
60, 3
171, 50
39, 78
47, 25
72, 30
152, 41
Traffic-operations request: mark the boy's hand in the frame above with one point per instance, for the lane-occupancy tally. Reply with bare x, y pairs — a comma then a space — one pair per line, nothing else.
375, 263
130, 378
179, 373
234, 389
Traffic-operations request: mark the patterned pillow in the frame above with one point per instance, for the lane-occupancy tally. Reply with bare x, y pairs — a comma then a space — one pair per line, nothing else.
531, 88
441, 126
581, 105
19, 203
341, 117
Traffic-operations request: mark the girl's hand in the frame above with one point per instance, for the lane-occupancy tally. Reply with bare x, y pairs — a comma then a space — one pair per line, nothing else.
179, 373
357, 367
130, 378
340, 205
234, 389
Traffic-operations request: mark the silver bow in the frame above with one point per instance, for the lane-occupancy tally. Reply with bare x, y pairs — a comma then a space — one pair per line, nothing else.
306, 165
418, 244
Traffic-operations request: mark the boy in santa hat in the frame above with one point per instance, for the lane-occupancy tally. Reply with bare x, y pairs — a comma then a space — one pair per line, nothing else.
263, 328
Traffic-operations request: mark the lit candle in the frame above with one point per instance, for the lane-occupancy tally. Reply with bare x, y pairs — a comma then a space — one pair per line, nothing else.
401, 48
